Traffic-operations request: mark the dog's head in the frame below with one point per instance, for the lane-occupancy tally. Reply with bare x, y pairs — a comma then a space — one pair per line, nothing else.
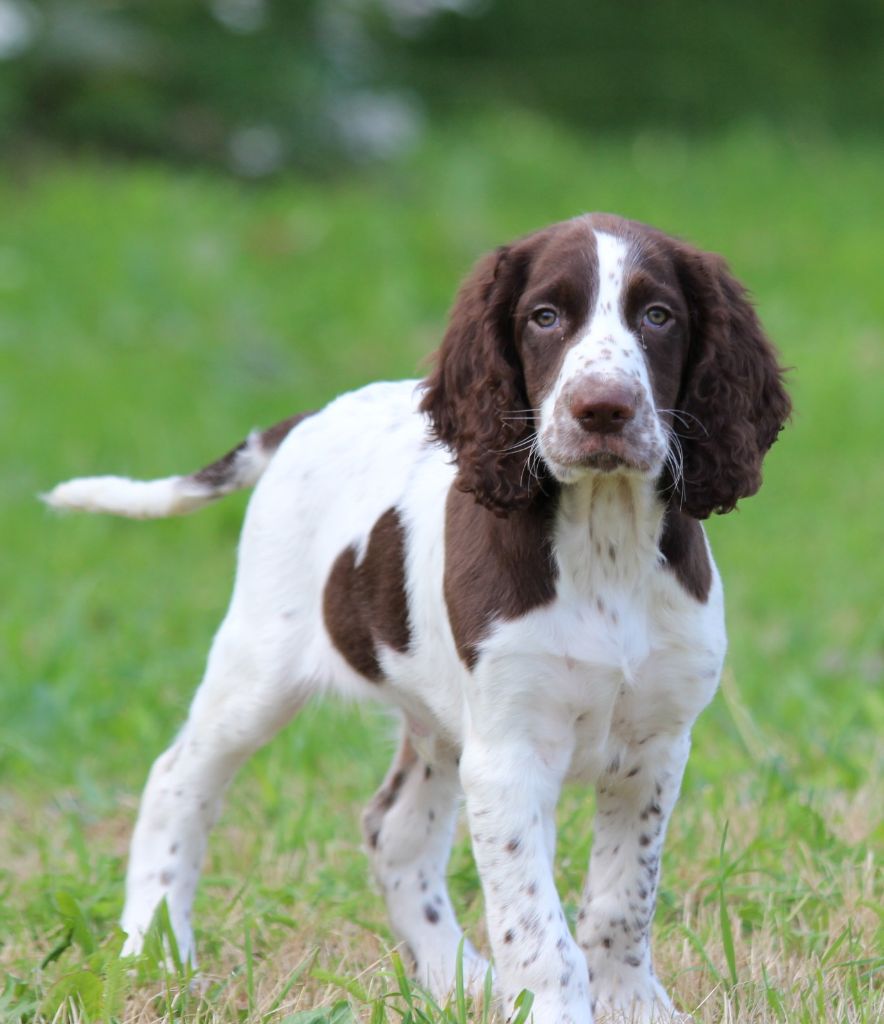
600, 345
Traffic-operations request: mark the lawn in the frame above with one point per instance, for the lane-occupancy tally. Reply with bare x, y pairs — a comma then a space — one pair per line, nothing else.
150, 317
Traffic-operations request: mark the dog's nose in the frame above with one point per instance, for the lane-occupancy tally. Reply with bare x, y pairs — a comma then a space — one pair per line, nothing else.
603, 408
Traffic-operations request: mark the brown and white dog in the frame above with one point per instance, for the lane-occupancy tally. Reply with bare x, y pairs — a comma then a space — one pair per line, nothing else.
510, 553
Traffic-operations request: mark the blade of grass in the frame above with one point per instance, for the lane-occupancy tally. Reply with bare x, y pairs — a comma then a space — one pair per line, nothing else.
250, 971
294, 978
524, 1002
727, 935
458, 986
488, 996
347, 984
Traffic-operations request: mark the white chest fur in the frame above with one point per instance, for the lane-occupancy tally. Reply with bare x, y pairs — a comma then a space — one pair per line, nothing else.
624, 653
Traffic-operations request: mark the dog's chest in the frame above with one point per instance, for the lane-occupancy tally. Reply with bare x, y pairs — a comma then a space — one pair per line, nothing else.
629, 668
632, 653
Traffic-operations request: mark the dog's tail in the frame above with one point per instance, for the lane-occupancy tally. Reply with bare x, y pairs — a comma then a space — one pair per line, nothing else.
175, 495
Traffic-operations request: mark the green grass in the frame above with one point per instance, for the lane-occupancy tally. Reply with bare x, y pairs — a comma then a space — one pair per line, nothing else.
149, 318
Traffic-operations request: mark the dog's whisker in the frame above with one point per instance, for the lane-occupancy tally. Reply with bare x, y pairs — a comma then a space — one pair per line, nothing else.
532, 463
674, 460
523, 444
685, 418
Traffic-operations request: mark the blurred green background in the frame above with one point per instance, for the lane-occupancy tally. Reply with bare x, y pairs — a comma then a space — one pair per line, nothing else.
215, 214
257, 86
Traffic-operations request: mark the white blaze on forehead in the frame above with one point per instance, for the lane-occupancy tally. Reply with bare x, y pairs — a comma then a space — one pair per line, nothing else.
604, 346
612, 253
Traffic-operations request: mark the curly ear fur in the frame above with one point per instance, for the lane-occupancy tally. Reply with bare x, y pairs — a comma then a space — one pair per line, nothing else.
478, 384
732, 391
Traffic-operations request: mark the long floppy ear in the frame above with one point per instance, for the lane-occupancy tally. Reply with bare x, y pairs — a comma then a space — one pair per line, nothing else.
475, 397
732, 393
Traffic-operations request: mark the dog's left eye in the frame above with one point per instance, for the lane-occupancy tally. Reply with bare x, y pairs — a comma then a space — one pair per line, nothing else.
545, 317
656, 316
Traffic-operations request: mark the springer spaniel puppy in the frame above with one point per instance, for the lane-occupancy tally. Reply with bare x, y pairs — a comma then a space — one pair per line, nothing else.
510, 553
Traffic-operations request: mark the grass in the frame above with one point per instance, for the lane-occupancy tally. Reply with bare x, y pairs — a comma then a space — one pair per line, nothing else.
149, 318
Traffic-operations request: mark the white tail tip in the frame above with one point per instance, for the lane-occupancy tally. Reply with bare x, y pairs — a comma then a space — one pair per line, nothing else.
136, 499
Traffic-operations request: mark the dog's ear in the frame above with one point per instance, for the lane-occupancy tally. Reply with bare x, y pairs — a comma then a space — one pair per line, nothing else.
732, 393
475, 397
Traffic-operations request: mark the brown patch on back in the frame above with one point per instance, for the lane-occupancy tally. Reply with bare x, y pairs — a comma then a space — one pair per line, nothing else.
494, 568
365, 604
685, 551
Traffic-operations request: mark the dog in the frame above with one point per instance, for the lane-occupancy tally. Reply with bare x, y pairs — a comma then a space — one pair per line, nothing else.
510, 553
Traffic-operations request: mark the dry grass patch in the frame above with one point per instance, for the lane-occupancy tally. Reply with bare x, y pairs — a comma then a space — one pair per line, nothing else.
768, 913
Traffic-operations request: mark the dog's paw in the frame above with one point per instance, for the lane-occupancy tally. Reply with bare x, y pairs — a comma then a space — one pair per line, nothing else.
438, 975
648, 1003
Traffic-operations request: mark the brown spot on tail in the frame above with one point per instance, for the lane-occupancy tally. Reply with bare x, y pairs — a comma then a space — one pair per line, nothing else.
222, 472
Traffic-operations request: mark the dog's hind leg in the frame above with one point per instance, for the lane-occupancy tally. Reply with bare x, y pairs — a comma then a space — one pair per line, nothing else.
409, 827
246, 696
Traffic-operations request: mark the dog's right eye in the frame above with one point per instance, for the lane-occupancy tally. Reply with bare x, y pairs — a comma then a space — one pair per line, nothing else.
545, 317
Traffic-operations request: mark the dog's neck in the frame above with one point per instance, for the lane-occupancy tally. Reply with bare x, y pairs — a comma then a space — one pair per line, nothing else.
607, 531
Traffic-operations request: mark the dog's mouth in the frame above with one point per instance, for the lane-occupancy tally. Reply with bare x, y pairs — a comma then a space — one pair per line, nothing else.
607, 461
605, 454
606, 457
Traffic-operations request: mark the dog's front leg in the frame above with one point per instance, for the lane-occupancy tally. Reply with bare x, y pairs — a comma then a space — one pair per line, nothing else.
512, 787
635, 797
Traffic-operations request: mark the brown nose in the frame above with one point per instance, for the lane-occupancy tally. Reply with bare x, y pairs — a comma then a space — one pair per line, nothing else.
603, 408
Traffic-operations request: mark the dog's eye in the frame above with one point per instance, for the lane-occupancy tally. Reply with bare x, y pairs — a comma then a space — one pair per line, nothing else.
545, 317
656, 316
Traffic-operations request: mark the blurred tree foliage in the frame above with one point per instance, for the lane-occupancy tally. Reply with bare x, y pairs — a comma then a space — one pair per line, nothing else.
682, 64
257, 85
